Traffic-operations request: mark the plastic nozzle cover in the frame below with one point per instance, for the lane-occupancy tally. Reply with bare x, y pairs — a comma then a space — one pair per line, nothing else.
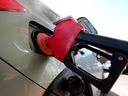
64, 36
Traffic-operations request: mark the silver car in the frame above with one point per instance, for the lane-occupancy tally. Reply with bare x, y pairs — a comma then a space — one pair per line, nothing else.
24, 71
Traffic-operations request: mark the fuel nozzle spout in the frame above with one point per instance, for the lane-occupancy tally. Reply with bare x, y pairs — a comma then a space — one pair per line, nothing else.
42, 43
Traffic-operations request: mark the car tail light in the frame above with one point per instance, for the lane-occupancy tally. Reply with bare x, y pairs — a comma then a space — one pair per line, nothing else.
11, 5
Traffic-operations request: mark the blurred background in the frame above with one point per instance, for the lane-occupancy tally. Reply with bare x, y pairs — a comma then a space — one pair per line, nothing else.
110, 17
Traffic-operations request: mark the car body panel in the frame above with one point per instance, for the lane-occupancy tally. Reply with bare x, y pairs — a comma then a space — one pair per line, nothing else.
14, 40
13, 83
15, 49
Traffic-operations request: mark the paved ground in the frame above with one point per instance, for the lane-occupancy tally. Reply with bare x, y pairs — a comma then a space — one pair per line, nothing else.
120, 88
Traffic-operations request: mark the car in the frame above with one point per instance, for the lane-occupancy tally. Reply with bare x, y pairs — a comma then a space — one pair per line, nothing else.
24, 69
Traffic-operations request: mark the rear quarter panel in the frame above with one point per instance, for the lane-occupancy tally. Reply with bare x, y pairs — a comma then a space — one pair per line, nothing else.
15, 49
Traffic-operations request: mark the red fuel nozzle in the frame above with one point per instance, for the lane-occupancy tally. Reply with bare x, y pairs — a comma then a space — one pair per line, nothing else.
62, 40
42, 43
